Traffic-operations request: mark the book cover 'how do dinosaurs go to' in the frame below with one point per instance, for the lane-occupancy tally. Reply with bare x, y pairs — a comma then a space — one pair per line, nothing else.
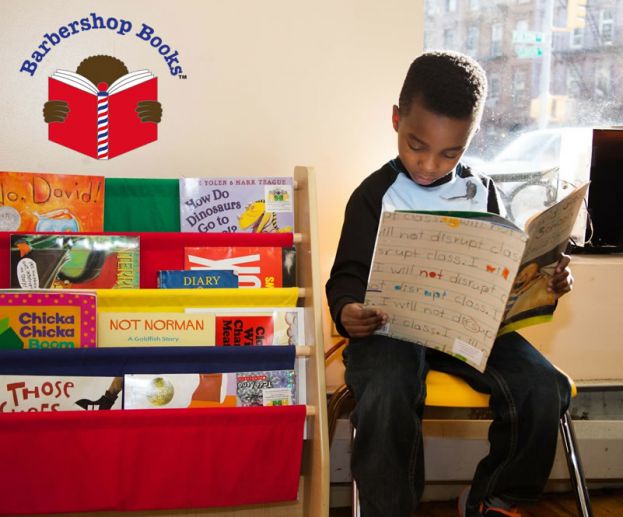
237, 204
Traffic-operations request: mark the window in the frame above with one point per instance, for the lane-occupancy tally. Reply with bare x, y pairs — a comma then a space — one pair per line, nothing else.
521, 26
450, 6
573, 84
578, 79
497, 32
448, 38
494, 87
577, 38
508, 40
606, 26
519, 83
471, 44
602, 82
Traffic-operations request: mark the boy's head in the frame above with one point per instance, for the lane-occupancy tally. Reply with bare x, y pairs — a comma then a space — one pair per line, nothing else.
439, 112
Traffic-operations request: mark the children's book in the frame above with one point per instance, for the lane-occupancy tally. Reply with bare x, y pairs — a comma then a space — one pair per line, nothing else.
257, 325
257, 266
74, 261
34, 202
454, 281
42, 393
47, 319
102, 120
266, 388
260, 205
187, 390
202, 327
197, 279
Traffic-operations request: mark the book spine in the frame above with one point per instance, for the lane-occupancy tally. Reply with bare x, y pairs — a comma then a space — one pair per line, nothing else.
197, 279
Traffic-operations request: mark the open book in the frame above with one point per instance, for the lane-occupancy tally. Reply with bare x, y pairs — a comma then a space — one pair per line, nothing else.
86, 129
454, 281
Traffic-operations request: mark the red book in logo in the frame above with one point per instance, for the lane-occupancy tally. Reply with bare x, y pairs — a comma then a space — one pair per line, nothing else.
102, 121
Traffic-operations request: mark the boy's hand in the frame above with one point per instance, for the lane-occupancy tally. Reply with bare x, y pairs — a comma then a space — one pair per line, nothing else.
360, 321
562, 281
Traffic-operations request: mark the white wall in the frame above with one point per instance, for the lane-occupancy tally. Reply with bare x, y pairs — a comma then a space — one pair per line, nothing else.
270, 85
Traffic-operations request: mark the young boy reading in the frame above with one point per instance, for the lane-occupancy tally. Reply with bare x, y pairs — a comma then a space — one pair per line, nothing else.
439, 111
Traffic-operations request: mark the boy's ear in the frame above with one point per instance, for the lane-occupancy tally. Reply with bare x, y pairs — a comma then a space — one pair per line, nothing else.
395, 117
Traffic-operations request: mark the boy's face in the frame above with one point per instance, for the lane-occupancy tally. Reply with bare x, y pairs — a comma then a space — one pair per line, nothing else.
430, 145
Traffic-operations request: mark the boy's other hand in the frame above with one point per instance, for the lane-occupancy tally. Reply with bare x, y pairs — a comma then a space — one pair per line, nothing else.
149, 111
55, 111
562, 281
360, 321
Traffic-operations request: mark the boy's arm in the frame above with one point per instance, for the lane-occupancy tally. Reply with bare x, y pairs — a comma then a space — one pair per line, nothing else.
349, 275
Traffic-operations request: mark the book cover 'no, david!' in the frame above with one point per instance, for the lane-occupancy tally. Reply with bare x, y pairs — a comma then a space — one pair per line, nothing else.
34, 202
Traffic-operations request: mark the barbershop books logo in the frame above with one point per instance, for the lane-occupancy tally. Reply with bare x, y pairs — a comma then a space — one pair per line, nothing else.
102, 110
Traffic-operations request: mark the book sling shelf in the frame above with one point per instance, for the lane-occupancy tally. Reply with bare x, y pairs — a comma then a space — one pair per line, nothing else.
182, 461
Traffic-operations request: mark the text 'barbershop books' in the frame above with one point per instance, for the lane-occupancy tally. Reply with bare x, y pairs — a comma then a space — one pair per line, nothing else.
257, 266
120, 128
454, 281
74, 261
44, 393
35, 202
47, 319
197, 279
202, 327
264, 388
257, 205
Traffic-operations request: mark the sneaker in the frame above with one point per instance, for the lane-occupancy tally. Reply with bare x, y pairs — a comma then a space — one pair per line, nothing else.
485, 510
494, 511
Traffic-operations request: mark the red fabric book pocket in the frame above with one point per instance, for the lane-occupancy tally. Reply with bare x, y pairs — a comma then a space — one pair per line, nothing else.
149, 459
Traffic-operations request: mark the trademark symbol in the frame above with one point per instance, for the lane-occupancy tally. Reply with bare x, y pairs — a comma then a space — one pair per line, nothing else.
182, 76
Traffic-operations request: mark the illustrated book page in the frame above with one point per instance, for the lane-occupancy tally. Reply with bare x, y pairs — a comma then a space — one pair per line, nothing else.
548, 235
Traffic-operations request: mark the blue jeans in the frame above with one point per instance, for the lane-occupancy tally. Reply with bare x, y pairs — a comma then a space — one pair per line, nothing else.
387, 377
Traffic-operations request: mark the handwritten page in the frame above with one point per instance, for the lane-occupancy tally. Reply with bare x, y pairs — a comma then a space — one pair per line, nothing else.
444, 281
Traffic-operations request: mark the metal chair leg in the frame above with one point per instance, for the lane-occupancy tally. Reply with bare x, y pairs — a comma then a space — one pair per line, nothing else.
576, 473
355, 506
356, 509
